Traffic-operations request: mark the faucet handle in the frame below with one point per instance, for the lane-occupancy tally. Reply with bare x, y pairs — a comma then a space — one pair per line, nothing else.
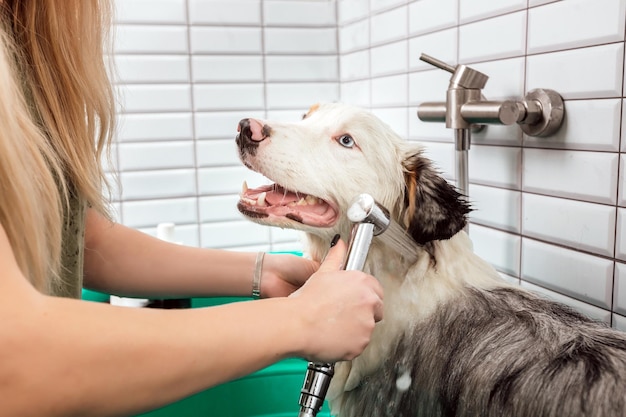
462, 75
437, 63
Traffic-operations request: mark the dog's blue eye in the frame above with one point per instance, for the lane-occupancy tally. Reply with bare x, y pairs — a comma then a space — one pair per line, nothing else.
347, 141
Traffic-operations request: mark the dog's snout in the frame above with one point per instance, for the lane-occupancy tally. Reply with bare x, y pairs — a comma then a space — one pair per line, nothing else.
253, 130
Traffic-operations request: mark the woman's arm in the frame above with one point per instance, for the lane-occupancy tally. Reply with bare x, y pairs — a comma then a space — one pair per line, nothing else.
125, 261
65, 357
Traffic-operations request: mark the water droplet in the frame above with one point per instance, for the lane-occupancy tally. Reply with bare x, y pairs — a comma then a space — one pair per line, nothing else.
404, 381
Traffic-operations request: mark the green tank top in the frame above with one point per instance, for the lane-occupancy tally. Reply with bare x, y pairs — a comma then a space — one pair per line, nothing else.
72, 250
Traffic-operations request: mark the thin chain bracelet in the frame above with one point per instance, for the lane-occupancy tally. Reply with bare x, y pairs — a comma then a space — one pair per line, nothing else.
256, 279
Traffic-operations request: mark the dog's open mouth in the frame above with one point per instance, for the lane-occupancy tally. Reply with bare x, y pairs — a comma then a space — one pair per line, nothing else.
276, 201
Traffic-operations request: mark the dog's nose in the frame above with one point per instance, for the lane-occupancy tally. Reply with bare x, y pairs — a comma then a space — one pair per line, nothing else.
252, 130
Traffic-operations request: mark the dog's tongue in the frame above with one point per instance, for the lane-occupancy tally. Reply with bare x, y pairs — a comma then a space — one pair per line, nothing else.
280, 196
274, 200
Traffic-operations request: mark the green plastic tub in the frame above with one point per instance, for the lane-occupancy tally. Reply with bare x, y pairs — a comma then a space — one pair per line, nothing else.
270, 392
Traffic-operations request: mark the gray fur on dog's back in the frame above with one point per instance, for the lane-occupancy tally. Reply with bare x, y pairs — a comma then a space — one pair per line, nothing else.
502, 352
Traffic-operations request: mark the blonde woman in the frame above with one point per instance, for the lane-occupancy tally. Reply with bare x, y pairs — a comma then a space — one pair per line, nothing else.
65, 357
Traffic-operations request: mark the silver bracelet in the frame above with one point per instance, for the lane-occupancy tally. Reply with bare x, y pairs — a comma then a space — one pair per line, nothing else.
256, 279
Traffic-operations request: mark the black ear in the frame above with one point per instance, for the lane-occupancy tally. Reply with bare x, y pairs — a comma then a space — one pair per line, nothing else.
434, 210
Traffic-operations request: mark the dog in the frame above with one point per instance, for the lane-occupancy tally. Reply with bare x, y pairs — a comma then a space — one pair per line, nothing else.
456, 339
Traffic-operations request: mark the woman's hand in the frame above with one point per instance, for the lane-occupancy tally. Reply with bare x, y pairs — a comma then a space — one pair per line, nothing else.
282, 274
339, 310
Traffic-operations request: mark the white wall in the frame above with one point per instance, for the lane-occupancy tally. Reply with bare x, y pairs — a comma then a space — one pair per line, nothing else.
550, 213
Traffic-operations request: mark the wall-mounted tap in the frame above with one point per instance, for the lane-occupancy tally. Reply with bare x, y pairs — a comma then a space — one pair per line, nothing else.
539, 113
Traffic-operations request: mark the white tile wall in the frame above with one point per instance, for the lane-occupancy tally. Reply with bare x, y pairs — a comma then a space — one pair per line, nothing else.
355, 65
154, 126
590, 176
481, 9
431, 15
298, 40
301, 68
350, 10
619, 294
225, 68
216, 152
220, 12
593, 72
385, 90
498, 248
142, 39
622, 184
299, 95
495, 165
389, 59
578, 275
549, 212
354, 36
586, 24
494, 38
161, 155
143, 185
152, 68
140, 98
228, 96
388, 26
301, 13
355, 92
225, 40
151, 11
496, 207
620, 244
540, 2
577, 224
497, 135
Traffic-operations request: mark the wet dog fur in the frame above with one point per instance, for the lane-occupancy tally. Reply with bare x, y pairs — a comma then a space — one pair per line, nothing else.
456, 340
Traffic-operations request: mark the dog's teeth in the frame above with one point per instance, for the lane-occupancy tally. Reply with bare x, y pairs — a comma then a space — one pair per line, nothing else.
261, 200
302, 202
311, 200
244, 187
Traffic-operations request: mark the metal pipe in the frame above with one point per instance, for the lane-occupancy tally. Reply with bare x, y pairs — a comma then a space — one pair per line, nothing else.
462, 139
493, 112
455, 98
432, 111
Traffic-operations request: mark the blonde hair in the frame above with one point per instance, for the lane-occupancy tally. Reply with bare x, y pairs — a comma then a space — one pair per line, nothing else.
56, 121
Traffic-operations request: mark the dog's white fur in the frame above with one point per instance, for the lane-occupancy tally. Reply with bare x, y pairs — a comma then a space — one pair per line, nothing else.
313, 157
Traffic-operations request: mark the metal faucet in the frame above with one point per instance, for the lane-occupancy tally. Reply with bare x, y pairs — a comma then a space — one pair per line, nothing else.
539, 113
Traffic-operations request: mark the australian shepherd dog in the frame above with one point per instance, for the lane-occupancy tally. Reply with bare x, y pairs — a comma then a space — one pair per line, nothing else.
456, 339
